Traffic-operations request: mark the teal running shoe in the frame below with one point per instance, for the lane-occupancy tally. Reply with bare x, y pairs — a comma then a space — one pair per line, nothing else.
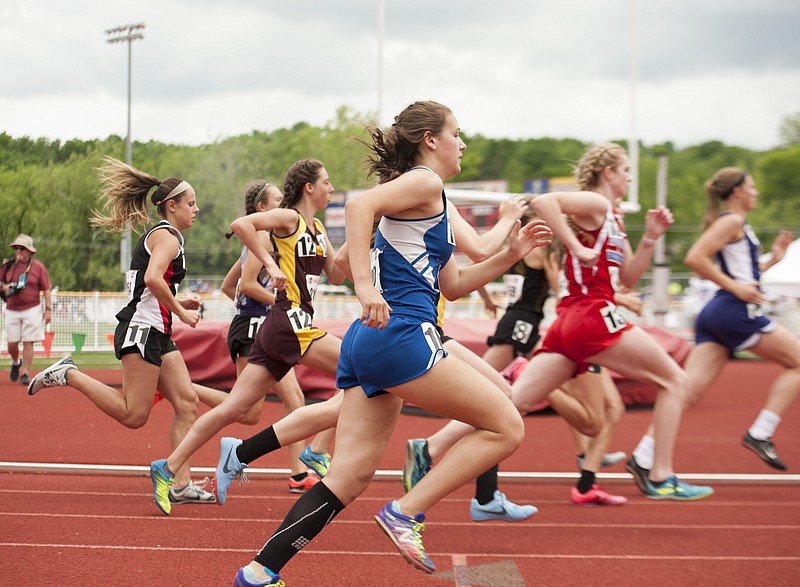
418, 462
161, 481
316, 461
676, 490
406, 534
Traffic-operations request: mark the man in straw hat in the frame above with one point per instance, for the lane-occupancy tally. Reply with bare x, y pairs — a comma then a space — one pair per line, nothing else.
21, 280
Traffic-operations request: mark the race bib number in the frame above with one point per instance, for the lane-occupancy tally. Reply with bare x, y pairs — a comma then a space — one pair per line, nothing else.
375, 268
299, 319
513, 285
613, 318
434, 343
306, 247
312, 281
522, 332
130, 282
754, 311
136, 335
255, 324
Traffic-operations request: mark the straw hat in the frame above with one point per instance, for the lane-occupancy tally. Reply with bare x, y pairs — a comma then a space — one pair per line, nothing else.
24, 241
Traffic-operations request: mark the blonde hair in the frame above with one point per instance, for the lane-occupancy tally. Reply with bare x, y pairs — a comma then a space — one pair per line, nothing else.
594, 161
718, 189
125, 190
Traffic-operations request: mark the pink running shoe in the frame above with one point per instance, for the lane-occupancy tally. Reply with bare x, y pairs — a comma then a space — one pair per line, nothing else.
516, 367
596, 496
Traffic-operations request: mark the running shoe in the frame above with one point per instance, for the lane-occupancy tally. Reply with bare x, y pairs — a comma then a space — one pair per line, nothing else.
14, 375
500, 509
512, 372
764, 449
228, 469
54, 376
417, 464
596, 496
192, 493
677, 490
24, 379
316, 461
161, 482
310, 480
609, 459
245, 578
406, 534
640, 474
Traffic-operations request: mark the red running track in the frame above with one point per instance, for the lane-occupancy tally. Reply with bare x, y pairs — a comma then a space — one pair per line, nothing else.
74, 530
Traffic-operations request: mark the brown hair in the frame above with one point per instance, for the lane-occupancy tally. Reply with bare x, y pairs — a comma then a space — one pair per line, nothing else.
125, 190
299, 174
255, 193
718, 189
594, 161
395, 149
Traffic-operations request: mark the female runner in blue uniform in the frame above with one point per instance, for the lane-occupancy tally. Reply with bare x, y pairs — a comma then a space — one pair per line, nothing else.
393, 353
727, 253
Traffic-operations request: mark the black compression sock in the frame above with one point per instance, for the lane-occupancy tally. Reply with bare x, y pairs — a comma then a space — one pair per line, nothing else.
307, 518
486, 485
257, 446
586, 481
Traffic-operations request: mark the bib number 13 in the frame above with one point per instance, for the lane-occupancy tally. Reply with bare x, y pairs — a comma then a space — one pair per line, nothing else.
613, 318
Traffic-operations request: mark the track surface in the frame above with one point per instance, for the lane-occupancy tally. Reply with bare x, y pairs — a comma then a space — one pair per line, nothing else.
103, 529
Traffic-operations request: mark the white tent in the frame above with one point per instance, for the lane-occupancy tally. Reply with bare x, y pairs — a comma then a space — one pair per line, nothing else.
783, 279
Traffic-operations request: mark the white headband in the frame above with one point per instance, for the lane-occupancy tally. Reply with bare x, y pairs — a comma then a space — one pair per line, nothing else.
177, 190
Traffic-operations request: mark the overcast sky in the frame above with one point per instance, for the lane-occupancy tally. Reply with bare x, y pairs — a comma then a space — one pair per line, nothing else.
205, 70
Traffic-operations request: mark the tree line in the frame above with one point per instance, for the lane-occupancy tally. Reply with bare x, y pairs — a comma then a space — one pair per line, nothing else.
49, 188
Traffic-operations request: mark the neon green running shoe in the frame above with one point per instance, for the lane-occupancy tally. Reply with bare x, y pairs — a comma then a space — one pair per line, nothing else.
418, 462
161, 482
316, 461
677, 490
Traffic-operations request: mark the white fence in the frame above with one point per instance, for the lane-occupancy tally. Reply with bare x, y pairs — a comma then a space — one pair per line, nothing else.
85, 321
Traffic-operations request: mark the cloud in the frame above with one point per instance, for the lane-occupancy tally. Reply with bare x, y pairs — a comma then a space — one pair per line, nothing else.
205, 70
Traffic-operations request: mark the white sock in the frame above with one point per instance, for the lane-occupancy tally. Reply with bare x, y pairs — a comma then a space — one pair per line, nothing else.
645, 451
765, 425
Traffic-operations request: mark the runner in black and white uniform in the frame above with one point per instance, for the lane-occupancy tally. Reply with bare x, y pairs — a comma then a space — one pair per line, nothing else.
142, 338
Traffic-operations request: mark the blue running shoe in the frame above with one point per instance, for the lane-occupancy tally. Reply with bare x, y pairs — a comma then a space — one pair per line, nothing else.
228, 469
417, 464
500, 509
609, 459
406, 534
245, 578
316, 461
676, 490
161, 481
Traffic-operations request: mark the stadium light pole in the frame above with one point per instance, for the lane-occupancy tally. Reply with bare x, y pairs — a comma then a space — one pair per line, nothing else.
381, 35
126, 34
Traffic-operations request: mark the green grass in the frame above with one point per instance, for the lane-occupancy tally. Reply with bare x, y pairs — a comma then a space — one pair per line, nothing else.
88, 360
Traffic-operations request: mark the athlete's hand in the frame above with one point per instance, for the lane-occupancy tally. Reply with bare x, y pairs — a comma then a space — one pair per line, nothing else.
523, 240
513, 208
748, 293
279, 279
657, 221
587, 257
782, 242
192, 302
190, 317
374, 309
